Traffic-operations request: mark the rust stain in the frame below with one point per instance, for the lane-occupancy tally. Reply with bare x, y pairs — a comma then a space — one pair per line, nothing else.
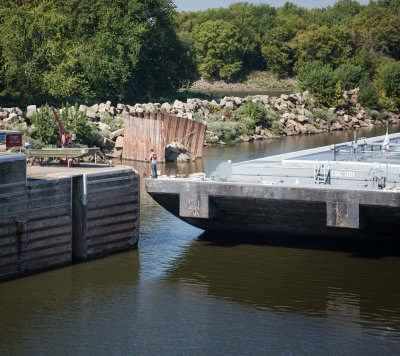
194, 210
157, 131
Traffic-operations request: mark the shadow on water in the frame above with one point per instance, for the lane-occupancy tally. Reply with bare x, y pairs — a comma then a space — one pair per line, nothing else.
328, 279
361, 248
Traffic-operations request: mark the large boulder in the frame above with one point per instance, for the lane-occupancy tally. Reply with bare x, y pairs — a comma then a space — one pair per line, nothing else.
166, 108
83, 108
11, 119
245, 138
108, 144
186, 157
301, 129
149, 107
113, 111
102, 126
302, 119
31, 110
176, 151
336, 126
229, 105
311, 129
114, 135
178, 105
91, 113
120, 107
172, 152
288, 131
119, 143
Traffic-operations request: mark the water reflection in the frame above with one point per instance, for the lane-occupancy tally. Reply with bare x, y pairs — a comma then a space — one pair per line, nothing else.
36, 310
343, 285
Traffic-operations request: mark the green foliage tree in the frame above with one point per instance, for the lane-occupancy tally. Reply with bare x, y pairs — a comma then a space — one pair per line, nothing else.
342, 13
389, 82
32, 47
277, 53
393, 5
320, 80
368, 96
220, 49
350, 76
330, 45
290, 36
377, 30
99, 49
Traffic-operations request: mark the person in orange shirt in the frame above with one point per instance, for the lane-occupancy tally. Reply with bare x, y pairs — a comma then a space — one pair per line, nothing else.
153, 161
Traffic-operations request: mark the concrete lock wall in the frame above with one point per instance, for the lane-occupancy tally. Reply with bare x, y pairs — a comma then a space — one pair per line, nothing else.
13, 205
106, 213
48, 223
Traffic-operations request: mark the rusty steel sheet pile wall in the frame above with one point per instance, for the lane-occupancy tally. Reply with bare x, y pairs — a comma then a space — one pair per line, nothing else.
141, 135
157, 131
110, 221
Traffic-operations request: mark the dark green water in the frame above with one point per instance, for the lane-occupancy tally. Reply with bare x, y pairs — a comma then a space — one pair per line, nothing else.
181, 294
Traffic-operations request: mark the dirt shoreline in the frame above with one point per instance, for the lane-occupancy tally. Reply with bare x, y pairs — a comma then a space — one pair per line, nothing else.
261, 81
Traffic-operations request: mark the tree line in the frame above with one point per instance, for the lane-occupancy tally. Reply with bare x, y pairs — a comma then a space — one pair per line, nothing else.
339, 47
131, 50
90, 49
243, 37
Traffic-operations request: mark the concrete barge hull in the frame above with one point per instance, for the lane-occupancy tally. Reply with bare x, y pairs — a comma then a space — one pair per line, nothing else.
271, 210
320, 191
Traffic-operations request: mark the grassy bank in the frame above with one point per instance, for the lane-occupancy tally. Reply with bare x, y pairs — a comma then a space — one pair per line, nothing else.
255, 81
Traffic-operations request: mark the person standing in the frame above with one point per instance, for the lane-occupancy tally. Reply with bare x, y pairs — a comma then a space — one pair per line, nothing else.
153, 161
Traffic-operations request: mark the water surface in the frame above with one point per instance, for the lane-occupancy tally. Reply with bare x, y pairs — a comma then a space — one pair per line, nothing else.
185, 293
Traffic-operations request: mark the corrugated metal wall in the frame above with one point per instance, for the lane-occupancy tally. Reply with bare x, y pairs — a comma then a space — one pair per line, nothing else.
140, 136
157, 131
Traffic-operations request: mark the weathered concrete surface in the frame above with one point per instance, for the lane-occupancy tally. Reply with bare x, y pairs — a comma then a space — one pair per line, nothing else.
107, 213
61, 214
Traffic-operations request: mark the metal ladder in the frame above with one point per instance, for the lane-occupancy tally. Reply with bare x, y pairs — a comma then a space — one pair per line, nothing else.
322, 173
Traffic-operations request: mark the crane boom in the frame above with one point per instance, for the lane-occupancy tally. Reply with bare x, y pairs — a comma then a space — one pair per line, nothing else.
66, 139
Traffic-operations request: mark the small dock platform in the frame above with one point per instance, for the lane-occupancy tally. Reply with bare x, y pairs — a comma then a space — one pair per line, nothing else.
51, 216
